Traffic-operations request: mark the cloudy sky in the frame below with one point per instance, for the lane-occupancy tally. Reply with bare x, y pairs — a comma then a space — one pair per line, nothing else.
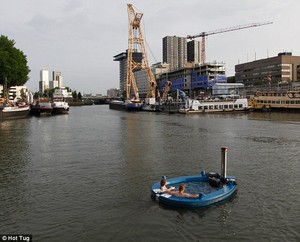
80, 37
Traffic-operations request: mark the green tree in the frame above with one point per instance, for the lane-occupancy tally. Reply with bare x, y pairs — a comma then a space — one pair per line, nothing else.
13, 64
74, 94
79, 95
37, 95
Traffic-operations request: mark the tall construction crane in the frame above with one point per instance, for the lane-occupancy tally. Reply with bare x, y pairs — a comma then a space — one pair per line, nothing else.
136, 45
219, 31
167, 90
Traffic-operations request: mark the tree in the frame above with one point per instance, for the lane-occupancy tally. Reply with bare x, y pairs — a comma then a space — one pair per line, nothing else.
74, 94
13, 64
79, 95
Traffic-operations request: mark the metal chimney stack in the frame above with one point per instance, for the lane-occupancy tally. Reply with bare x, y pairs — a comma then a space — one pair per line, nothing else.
224, 162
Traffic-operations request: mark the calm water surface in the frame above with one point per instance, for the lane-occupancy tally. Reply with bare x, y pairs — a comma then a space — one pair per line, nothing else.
86, 176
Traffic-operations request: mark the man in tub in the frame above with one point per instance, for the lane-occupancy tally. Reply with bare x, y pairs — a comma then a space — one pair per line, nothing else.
181, 192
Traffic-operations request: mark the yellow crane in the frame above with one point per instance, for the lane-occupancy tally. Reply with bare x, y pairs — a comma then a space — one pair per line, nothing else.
136, 45
166, 91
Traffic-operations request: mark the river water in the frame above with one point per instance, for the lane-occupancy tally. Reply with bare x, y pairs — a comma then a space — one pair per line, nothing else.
86, 176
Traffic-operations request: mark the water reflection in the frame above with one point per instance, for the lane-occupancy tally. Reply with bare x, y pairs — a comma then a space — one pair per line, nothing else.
14, 158
13, 149
275, 116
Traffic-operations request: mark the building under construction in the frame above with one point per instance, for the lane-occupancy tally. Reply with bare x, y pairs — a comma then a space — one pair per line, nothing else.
187, 70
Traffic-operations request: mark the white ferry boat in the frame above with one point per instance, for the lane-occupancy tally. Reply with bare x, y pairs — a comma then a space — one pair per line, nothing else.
214, 105
276, 100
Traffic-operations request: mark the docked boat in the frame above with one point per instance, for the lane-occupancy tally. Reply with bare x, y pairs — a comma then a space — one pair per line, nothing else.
41, 107
276, 100
133, 105
211, 187
214, 105
60, 107
117, 105
150, 105
13, 111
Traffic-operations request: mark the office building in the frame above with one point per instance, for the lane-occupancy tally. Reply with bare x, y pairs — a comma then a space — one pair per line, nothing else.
44, 80
174, 52
57, 80
282, 67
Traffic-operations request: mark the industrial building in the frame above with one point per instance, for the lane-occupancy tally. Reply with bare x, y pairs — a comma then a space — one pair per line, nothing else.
281, 68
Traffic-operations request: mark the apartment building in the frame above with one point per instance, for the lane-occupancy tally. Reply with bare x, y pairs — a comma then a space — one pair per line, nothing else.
174, 51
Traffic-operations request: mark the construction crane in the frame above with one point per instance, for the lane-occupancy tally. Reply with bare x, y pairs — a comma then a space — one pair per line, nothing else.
219, 31
166, 91
136, 45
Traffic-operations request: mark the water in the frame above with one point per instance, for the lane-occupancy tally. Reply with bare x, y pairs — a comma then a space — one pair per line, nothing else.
86, 176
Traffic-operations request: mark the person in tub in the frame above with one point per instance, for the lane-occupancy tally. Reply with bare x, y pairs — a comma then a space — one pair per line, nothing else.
181, 192
163, 185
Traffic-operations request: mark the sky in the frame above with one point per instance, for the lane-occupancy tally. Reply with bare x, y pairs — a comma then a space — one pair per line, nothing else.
80, 37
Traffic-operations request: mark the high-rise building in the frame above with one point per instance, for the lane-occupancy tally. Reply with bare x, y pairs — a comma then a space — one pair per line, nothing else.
174, 51
44, 80
57, 80
194, 51
122, 58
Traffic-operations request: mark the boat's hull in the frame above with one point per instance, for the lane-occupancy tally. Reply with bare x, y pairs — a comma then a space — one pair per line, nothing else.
40, 111
150, 108
117, 105
132, 106
14, 112
227, 190
58, 110
189, 111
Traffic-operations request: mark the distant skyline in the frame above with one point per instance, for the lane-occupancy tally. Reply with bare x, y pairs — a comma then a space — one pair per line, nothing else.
80, 38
